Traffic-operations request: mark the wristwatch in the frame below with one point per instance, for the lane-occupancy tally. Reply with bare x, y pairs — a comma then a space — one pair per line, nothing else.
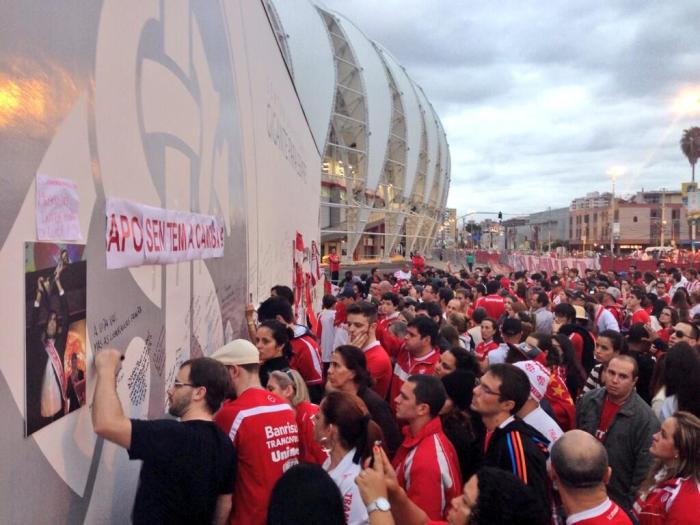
379, 504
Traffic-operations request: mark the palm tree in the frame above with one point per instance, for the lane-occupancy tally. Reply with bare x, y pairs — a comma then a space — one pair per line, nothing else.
690, 145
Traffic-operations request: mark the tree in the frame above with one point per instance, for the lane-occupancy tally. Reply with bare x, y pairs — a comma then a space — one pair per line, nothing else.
690, 145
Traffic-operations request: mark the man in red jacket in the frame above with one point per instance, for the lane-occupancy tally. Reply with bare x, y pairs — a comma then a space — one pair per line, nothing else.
417, 355
362, 323
426, 463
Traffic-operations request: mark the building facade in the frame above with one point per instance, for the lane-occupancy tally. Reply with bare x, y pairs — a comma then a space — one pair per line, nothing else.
649, 218
386, 161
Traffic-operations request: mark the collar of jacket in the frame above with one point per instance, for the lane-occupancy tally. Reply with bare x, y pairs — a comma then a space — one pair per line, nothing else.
431, 427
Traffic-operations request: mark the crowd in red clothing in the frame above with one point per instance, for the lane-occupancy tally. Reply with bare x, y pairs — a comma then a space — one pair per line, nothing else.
423, 396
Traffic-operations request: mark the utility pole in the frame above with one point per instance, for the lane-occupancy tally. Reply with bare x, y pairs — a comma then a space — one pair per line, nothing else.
549, 229
612, 219
663, 217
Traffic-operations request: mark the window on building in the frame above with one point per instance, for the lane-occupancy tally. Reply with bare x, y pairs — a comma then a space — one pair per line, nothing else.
634, 219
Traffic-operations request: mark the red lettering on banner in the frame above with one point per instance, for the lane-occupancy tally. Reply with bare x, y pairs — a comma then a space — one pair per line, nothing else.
149, 235
113, 234
181, 237
125, 230
161, 231
190, 243
136, 224
197, 239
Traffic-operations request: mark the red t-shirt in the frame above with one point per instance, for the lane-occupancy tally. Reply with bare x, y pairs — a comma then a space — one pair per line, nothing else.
407, 365
640, 316
263, 429
306, 359
610, 409
334, 262
379, 367
607, 513
309, 449
494, 304
577, 343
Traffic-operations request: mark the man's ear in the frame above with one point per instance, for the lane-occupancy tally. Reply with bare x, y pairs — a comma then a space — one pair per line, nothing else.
423, 409
508, 405
607, 476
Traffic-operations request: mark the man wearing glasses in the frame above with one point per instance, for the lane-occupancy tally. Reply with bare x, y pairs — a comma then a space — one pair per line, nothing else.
510, 443
188, 466
686, 332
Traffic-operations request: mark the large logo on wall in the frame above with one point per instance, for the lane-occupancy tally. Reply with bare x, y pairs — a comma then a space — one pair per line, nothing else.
160, 127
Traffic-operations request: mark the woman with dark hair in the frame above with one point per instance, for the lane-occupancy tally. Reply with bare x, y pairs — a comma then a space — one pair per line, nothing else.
459, 424
681, 302
305, 495
344, 428
456, 358
668, 317
681, 379
490, 338
348, 373
609, 343
671, 493
575, 376
497, 497
272, 339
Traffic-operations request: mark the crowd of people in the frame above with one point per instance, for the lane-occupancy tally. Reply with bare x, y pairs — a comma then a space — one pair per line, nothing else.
422, 396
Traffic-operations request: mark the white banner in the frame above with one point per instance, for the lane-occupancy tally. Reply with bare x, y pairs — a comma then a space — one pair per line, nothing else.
137, 234
57, 207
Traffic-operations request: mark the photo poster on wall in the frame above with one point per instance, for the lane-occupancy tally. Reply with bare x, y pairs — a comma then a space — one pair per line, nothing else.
55, 343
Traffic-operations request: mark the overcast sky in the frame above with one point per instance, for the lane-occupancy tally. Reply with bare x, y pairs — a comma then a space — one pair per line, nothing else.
540, 99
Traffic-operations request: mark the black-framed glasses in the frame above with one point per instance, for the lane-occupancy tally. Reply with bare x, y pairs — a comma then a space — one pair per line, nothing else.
487, 390
177, 384
678, 333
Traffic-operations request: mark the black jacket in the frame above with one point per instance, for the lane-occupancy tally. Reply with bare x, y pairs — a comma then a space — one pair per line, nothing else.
522, 450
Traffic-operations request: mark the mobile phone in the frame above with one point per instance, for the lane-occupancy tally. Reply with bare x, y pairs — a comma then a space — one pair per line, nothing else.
377, 443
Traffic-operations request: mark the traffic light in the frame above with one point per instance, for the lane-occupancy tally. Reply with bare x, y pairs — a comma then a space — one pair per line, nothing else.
500, 216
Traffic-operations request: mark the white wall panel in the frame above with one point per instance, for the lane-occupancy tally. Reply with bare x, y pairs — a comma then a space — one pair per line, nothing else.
312, 63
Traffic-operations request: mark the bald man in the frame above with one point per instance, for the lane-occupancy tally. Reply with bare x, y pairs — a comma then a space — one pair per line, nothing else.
579, 470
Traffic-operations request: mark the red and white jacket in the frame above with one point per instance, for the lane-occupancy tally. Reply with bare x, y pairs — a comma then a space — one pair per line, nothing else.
673, 502
306, 357
379, 367
428, 469
406, 366
264, 431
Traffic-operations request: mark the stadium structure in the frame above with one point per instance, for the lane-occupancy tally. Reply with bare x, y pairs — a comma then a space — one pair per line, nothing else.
386, 161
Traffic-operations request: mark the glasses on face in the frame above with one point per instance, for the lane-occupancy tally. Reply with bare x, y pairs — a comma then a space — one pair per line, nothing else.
680, 334
177, 384
486, 389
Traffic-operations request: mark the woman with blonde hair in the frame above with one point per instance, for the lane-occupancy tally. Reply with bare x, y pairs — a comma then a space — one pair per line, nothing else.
290, 386
671, 493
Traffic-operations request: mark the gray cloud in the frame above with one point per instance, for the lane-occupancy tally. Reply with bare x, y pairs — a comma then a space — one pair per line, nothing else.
540, 99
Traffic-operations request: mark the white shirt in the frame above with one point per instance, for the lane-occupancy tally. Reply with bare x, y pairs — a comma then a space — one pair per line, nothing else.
344, 475
327, 320
669, 407
606, 320
545, 425
498, 355
475, 332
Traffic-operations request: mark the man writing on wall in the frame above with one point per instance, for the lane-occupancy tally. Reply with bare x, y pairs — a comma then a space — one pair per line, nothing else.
188, 466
